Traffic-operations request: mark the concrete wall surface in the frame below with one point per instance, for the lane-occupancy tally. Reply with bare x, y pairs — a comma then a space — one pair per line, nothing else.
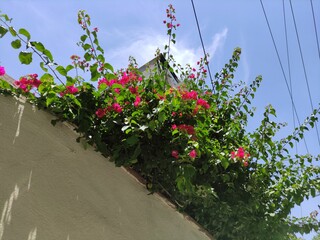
53, 189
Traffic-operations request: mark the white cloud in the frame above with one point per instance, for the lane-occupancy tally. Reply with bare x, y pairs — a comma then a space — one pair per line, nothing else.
217, 42
144, 48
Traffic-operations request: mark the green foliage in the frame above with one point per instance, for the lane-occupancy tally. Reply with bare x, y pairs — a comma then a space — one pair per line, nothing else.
317, 237
25, 57
189, 142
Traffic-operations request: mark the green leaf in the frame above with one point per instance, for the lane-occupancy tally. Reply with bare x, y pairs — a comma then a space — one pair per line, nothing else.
225, 163
13, 31
87, 56
69, 67
180, 180
25, 33
117, 85
108, 66
136, 153
3, 31
6, 17
83, 38
5, 85
25, 57
75, 100
16, 44
189, 171
152, 125
86, 46
50, 98
43, 67
47, 77
162, 116
48, 54
94, 73
62, 70
132, 140
38, 45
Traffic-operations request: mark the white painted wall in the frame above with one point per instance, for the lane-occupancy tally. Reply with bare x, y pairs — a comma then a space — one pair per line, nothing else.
52, 189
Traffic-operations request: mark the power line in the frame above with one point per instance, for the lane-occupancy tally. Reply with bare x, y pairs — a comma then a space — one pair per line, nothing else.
282, 69
303, 65
288, 60
203, 48
315, 28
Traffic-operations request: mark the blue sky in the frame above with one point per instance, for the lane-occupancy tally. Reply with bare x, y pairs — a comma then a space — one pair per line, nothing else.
135, 28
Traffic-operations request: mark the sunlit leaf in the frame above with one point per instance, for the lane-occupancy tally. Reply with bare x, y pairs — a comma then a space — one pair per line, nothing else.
25, 57
25, 33
16, 44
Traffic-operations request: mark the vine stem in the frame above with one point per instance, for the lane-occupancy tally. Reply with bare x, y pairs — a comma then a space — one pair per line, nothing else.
35, 51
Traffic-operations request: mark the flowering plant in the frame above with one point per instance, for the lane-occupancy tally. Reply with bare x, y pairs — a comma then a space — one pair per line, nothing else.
188, 142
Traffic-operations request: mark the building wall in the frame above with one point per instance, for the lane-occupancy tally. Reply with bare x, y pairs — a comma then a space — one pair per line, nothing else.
52, 188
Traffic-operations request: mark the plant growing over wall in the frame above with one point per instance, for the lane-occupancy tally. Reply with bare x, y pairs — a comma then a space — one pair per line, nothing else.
188, 142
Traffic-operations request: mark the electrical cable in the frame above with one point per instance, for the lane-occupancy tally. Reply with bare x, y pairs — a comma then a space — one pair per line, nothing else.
203, 48
282, 69
289, 67
304, 67
315, 28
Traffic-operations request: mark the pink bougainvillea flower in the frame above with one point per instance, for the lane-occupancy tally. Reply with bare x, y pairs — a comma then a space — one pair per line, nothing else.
193, 154
117, 90
240, 152
102, 81
203, 103
189, 95
175, 154
75, 57
186, 128
36, 83
69, 90
116, 107
161, 97
195, 110
133, 90
192, 76
101, 112
72, 89
137, 101
174, 126
28, 82
22, 84
124, 79
112, 81
2, 71
241, 156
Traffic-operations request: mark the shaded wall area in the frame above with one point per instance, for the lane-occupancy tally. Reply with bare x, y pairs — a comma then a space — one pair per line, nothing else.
52, 188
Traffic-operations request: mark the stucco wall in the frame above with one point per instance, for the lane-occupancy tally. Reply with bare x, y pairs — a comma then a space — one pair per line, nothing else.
51, 188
